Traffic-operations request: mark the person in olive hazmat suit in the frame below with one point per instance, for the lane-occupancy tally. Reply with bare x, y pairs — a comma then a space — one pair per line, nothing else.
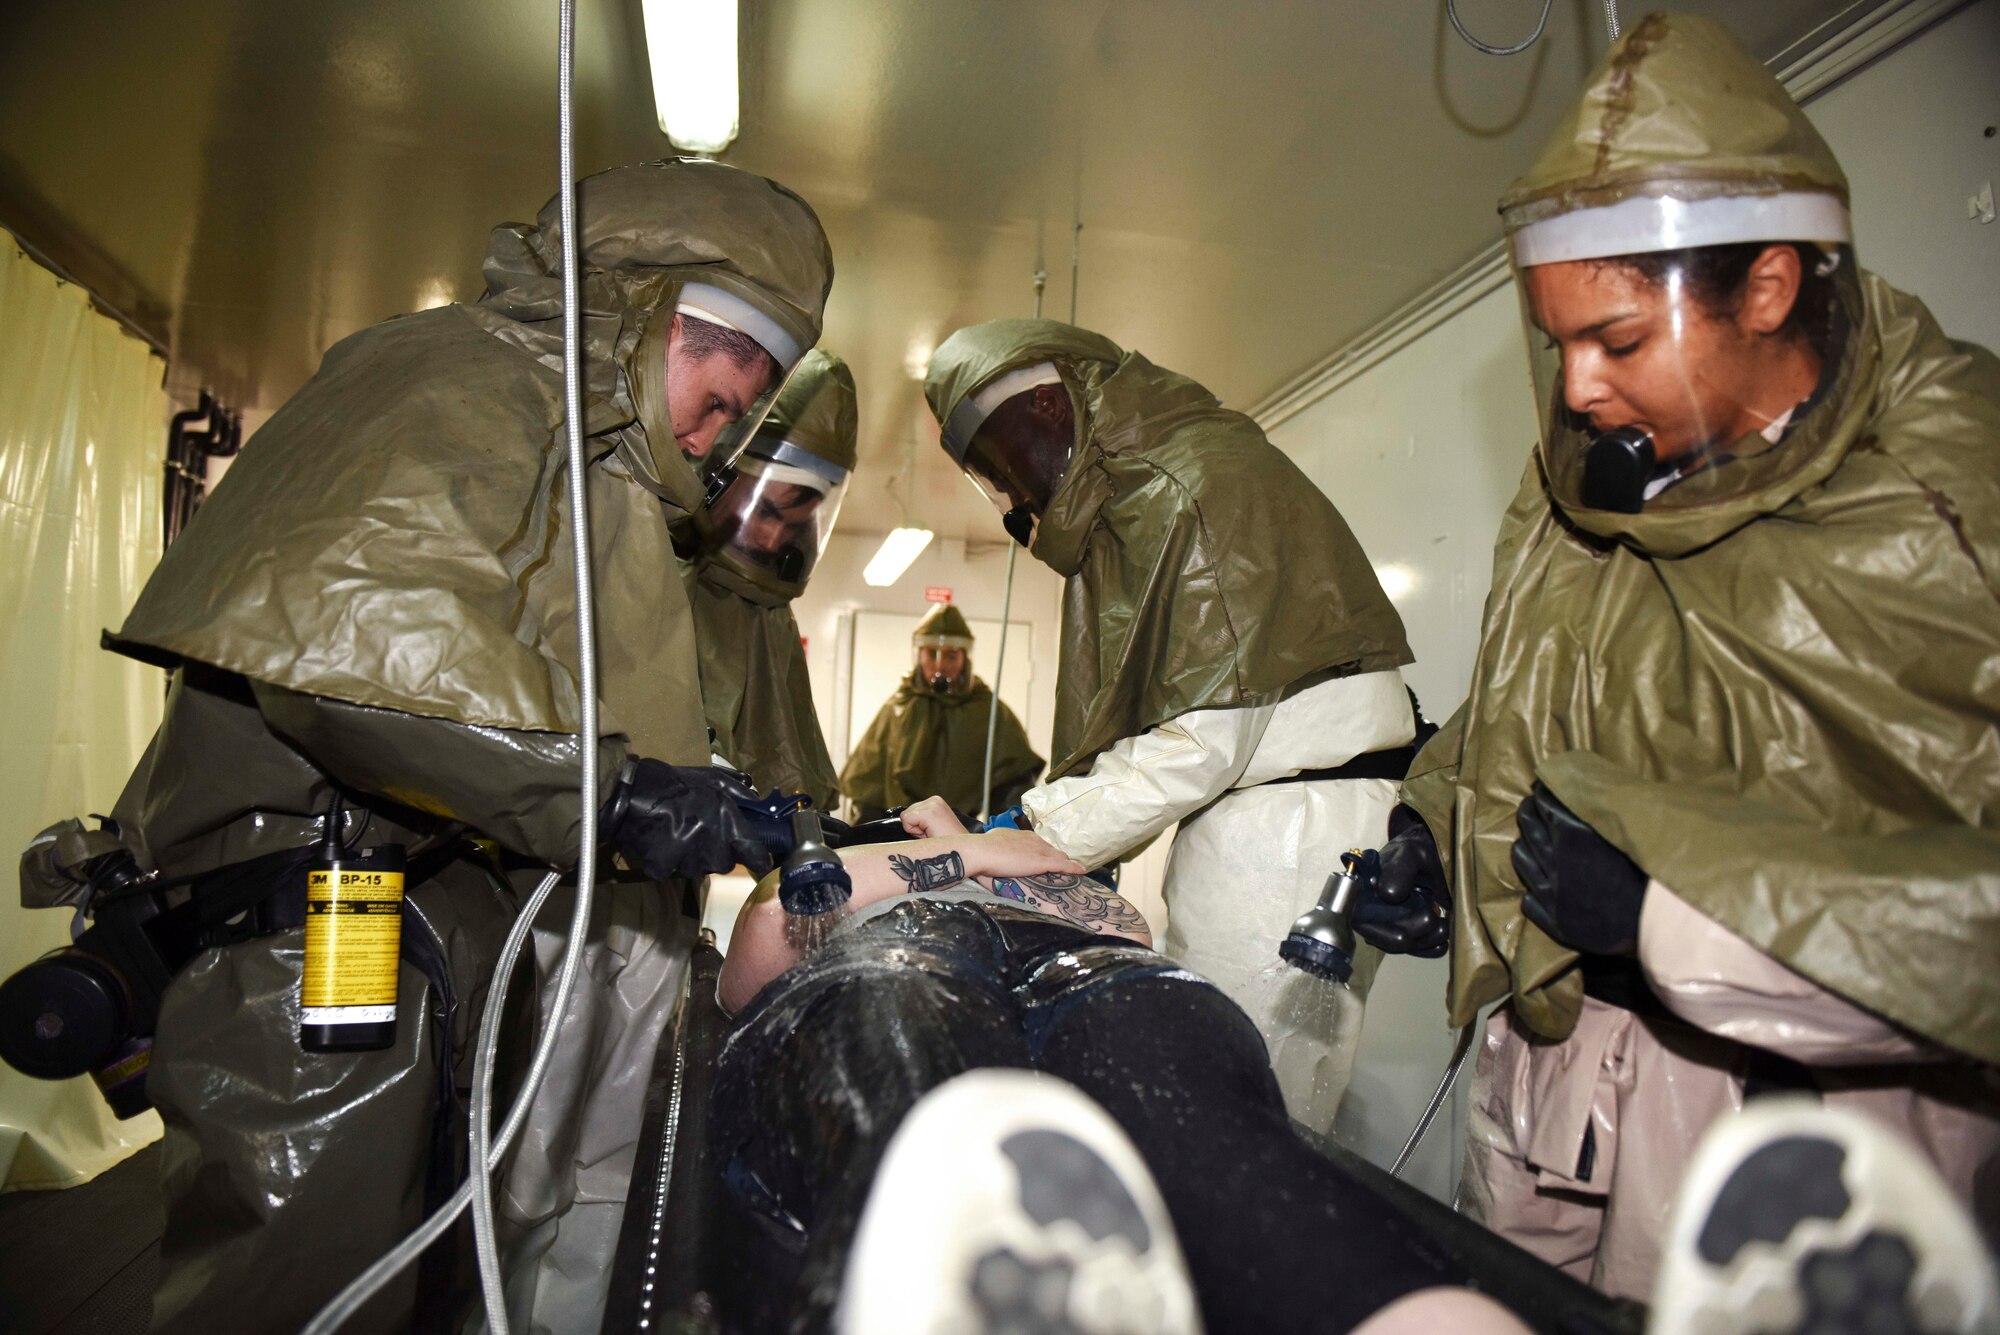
773, 510
929, 738
1229, 660
1719, 815
378, 601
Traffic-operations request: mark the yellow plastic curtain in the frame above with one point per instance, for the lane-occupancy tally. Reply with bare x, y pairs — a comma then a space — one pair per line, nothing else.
82, 440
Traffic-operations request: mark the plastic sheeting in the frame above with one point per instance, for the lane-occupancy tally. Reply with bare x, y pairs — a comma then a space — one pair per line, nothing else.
82, 426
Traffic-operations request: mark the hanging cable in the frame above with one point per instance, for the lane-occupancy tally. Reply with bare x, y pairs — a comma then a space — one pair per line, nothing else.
1423, 1125
485, 1243
1451, 12
1007, 600
999, 666
488, 1150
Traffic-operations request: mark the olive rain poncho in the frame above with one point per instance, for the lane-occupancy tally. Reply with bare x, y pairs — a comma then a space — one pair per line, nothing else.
754, 684
1776, 687
397, 535
1203, 568
380, 595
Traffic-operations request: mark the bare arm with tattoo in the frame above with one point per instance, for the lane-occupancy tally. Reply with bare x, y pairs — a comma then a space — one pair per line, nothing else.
1014, 864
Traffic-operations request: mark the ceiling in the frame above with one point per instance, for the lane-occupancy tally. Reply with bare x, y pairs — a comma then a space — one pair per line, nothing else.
1257, 181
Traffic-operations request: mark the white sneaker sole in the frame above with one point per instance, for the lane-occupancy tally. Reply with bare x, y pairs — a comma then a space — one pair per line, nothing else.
1800, 1218
1010, 1204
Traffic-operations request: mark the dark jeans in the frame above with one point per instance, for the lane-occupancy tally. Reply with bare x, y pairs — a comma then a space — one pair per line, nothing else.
821, 1068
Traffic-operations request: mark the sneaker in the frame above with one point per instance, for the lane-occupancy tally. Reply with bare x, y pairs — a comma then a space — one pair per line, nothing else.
1796, 1217
1010, 1204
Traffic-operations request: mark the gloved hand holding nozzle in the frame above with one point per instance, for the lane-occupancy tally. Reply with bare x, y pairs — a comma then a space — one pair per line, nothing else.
688, 821
1406, 910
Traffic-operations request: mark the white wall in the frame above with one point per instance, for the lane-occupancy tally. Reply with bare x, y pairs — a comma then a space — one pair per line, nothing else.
1423, 452
1911, 132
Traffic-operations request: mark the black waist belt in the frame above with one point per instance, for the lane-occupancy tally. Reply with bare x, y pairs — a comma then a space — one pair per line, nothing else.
1617, 980
1393, 764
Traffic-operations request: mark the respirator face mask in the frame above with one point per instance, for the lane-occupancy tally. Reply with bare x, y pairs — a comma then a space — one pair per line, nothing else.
1669, 337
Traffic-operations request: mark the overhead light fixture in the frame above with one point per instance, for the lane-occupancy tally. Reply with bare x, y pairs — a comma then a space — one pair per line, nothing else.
691, 45
901, 547
1397, 580
917, 356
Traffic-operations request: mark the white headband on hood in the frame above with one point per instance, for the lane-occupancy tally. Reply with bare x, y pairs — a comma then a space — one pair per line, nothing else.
971, 414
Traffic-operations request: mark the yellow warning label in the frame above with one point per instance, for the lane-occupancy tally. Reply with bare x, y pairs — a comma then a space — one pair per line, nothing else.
354, 930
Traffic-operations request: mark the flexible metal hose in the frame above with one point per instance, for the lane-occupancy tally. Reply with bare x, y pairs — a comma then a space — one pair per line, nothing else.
487, 1149
484, 1242
369, 1282
1423, 1125
1451, 12
999, 666
1007, 601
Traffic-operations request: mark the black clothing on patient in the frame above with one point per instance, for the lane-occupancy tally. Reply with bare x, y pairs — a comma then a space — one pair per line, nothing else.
821, 1067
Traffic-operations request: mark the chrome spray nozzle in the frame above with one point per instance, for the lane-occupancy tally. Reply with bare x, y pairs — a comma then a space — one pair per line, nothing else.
1322, 940
811, 879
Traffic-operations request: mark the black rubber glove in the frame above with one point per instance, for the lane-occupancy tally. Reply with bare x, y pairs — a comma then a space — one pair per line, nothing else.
1408, 910
685, 822
1582, 890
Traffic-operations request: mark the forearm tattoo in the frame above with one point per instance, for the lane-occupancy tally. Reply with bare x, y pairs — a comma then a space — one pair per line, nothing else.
1078, 898
921, 874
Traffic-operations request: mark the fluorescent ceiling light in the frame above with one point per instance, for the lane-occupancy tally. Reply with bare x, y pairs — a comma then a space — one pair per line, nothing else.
900, 548
1397, 580
691, 45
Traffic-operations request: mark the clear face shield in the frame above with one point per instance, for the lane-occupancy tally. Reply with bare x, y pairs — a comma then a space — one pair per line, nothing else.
1013, 454
944, 664
723, 404
1664, 359
773, 509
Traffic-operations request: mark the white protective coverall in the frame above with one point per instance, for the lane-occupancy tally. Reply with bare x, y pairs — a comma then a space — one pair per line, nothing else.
1646, 1090
1252, 852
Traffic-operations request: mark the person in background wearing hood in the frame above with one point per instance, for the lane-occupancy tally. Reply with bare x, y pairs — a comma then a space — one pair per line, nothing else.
1229, 660
772, 511
929, 738
1719, 815
377, 603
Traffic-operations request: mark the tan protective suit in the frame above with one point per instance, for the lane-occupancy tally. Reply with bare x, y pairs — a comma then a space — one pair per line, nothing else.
754, 684
1773, 689
1222, 630
380, 594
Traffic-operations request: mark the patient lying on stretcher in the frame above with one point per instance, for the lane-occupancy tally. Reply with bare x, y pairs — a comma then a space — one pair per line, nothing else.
1171, 1193
961, 952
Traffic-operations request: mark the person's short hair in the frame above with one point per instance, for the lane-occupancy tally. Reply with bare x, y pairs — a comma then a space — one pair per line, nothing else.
702, 339
1717, 277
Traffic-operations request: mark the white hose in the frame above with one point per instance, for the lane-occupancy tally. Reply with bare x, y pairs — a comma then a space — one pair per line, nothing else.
999, 666
370, 1281
488, 1150
484, 1242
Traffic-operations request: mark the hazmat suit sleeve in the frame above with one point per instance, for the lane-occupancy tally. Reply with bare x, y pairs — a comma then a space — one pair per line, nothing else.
518, 788
1857, 911
1138, 786
1717, 981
